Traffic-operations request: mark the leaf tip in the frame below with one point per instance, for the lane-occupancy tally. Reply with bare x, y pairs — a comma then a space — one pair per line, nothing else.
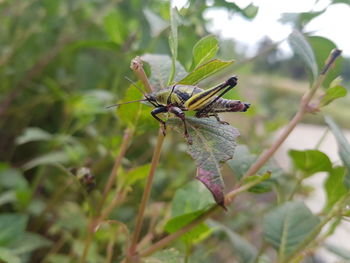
216, 188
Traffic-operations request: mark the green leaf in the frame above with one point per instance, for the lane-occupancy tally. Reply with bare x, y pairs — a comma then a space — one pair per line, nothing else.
173, 42
213, 144
299, 20
205, 71
204, 50
30, 242
341, 1
31, 134
11, 178
160, 68
303, 49
189, 202
47, 159
12, 228
170, 255
242, 161
334, 186
286, 226
250, 11
343, 147
264, 184
156, 23
310, 161
7, 197
101, 44
130, 113
334, 92
90, 103
114, 24
192, 197
339, 251
322, 47
7, 256
245, 251
136, 174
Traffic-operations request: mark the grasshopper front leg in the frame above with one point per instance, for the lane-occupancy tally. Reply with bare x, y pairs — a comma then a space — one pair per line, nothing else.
180, 114
156, 111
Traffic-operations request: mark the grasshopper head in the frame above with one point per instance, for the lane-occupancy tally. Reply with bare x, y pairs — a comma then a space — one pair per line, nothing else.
152, 99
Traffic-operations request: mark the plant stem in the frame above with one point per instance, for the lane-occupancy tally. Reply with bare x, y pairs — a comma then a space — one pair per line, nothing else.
304, 108
118, 160
137, 67
146, 194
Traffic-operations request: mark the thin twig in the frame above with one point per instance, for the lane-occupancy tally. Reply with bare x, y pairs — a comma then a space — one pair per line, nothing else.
137, 67
146, 194
128, 132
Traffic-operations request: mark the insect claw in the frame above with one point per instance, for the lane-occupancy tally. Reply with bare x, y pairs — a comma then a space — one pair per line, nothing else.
189, 139
163, 127
246, 107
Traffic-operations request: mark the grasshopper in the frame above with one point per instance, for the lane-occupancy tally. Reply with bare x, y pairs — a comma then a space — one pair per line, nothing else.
178, 98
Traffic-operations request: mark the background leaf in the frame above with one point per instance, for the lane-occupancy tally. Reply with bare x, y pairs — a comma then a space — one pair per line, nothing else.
7, 256
333, 93
339, 251
343, 147
310, 161
286, 226
156, 23
303, 49
245, 251
33, 134
322, 47
29, 242
170, 255
114, 24
189, 202
12, 228
48, 159
241, 163
173, 42
204, 50
161, 67
213, 144
334, 186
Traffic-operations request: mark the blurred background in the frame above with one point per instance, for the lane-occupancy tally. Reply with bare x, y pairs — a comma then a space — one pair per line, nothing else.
62, 62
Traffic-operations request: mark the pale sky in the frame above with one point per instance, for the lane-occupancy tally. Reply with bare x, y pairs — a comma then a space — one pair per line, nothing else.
333, 24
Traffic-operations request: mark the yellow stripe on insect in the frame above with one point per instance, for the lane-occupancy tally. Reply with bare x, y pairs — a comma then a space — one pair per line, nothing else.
203, 98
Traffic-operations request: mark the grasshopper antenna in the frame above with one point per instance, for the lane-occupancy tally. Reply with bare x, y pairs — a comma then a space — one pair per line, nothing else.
118, 104
134, 84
